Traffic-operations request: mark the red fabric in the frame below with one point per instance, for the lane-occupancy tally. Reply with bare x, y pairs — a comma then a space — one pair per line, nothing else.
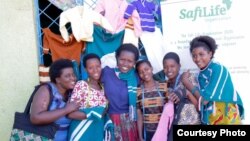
125, 129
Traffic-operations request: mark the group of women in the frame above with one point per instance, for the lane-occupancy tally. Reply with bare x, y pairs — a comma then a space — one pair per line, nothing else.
127, 103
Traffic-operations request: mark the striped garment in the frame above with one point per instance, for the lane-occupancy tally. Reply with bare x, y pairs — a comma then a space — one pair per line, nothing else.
146, 12
151, 103
97, 127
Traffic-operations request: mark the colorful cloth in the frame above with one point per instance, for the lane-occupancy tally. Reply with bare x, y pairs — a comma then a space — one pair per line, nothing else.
125, 129
218, 117
93, 103
151, 103
117, 13
88, 97
130, 78
216, 86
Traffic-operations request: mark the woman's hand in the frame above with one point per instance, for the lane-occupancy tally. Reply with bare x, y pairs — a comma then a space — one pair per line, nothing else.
173, 97
72, 106
185, 76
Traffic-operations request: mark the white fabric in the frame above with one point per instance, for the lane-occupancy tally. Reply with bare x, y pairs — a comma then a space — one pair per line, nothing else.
154, 47
130, 37
82, 23
109, 60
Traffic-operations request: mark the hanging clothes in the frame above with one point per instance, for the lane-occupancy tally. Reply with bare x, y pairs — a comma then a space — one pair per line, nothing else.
154, 48
129, 36
82, 23
146, 10
60, 49
118, 12
104, 42
64, 4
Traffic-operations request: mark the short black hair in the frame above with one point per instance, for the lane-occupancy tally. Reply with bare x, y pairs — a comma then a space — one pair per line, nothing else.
171, 55
90, 56
141, 62
204, 41
128, 47
56, 68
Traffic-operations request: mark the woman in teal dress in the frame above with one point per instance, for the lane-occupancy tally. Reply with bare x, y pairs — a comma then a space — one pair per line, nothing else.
219, 101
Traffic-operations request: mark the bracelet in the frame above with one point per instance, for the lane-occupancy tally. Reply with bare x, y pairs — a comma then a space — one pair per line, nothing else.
194, 89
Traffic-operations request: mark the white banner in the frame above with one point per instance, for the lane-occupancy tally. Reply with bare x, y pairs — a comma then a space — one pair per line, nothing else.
226, 21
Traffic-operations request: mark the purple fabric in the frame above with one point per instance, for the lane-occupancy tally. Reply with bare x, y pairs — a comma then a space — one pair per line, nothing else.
129, 11
146, 10
116, 91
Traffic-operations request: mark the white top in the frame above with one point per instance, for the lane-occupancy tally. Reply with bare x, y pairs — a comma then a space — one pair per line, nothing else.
82, 23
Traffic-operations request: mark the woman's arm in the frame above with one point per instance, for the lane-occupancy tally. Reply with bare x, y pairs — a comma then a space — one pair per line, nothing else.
190, 87
192, 99
39, 113
77, 115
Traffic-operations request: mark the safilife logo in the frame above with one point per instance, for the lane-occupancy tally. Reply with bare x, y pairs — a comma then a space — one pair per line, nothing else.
212, 11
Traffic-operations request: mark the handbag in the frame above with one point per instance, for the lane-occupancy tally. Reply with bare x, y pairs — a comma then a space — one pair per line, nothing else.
24, 130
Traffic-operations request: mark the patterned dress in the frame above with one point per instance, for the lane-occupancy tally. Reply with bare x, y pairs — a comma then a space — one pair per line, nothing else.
93, 103
151, 103
87, 96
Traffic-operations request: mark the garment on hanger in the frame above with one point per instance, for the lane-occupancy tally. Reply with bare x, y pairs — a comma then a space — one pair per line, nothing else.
118, 12
146, 10
104, 42
82, 23
129, 36
59, 48
154, 48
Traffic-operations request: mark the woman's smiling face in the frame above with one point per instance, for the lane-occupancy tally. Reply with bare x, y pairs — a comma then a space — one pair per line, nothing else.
125, 61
